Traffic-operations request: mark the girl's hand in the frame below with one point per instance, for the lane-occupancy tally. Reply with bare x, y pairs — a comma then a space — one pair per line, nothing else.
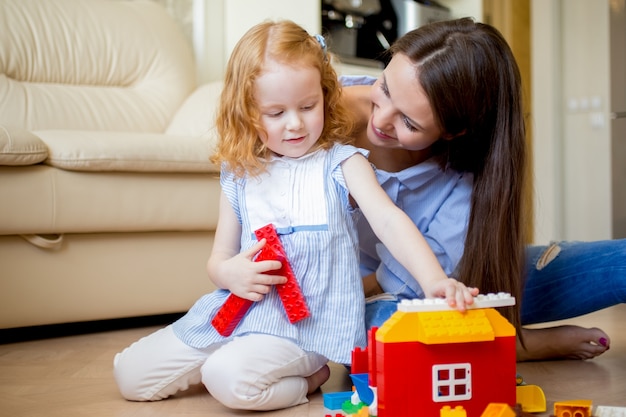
249, 279
455, 292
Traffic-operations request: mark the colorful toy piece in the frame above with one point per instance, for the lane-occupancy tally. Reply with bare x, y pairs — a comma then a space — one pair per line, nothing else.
335, 400
447, 411
530, 397
606, 411
498, 410
501, 299
576, 408
230, 314
366, 394
466, 359
235, 307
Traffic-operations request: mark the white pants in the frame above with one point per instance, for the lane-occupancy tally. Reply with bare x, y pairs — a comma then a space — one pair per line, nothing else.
252, 372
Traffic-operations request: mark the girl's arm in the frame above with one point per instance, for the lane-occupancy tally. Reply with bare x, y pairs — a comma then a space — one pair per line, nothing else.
398, 233
236, 271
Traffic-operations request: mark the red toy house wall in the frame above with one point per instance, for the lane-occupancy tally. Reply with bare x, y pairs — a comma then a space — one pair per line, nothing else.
404, 376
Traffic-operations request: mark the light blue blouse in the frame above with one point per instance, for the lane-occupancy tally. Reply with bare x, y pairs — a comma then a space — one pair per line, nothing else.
438, 202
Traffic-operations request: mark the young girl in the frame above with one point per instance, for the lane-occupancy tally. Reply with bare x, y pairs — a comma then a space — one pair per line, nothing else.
285, 161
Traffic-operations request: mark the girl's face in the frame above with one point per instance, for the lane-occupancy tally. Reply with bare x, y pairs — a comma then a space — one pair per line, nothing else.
402, 117
291, 103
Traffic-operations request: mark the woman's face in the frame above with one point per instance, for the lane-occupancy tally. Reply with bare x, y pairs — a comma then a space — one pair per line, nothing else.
402, 117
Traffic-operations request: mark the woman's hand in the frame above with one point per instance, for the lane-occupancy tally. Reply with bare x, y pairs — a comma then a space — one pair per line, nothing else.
249, 279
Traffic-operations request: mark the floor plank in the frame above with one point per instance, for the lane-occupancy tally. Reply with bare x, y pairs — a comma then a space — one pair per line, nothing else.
72, 376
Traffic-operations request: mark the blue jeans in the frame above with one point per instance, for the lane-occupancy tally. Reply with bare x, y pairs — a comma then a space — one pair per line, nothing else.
563, 280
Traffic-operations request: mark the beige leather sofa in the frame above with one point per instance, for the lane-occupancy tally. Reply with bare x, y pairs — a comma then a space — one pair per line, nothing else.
108, 202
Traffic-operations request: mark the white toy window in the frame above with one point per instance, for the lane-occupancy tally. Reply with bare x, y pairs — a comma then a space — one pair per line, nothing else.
452, 382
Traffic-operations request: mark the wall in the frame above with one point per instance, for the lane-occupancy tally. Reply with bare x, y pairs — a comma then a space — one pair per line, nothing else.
572, 163
218, 25
227, 20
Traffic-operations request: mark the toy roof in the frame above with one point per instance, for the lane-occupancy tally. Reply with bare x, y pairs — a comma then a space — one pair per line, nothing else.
440, 327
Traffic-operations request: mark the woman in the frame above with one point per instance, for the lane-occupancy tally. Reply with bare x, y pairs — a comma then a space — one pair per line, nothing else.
445, 127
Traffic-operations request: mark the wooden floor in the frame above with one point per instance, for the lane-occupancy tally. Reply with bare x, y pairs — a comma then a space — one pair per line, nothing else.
71, 376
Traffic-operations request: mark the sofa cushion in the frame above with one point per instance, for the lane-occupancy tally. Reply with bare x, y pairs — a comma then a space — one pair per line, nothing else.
197, 114
20, 147
127, 151
92, 65
39, 199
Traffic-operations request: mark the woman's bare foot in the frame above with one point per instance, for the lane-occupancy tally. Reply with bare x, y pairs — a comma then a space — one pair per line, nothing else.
562, 342
317, 379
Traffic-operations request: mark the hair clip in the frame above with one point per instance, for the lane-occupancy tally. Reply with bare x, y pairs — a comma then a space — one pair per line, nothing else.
320, 39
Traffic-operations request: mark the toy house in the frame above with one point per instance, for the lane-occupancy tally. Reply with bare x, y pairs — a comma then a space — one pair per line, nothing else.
428, 356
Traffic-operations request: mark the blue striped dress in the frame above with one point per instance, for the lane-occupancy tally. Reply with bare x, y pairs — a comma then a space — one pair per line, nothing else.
306, 200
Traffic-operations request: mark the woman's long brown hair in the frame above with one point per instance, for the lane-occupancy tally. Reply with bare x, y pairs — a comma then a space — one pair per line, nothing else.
473, 82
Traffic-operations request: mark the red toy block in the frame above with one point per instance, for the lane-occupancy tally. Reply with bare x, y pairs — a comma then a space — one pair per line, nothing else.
230, 314
289, 292
235, 307
359, 361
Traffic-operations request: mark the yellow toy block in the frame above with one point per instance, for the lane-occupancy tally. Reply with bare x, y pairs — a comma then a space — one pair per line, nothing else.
447, 411
575, 408
363, 412
531, 397
498, 410
434, 327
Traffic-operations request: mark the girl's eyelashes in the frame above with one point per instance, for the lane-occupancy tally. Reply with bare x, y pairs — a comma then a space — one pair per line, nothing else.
279, 113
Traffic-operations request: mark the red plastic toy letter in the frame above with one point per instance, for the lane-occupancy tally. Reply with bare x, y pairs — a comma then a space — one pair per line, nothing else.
235, 307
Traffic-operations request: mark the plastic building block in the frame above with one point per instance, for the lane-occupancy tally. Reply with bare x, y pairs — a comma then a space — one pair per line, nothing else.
434, 327
447, 411
230, 314
439, 304
235, 307
605, 411
289, 292
363, 412
466, 359
349, 408
498, 410
359, 361
467, 362
575, 408
360, 381
334, 400
531, 398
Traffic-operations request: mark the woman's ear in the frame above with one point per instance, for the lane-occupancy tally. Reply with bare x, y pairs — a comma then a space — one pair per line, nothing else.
450, 136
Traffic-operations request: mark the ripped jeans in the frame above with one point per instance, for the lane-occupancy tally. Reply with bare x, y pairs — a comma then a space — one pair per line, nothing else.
569, 279
564, 280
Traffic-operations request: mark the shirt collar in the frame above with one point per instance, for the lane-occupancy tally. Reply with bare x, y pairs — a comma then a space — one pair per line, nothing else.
412, 177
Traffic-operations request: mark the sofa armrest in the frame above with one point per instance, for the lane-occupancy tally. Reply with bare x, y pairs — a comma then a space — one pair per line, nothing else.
127, 151
20, 147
